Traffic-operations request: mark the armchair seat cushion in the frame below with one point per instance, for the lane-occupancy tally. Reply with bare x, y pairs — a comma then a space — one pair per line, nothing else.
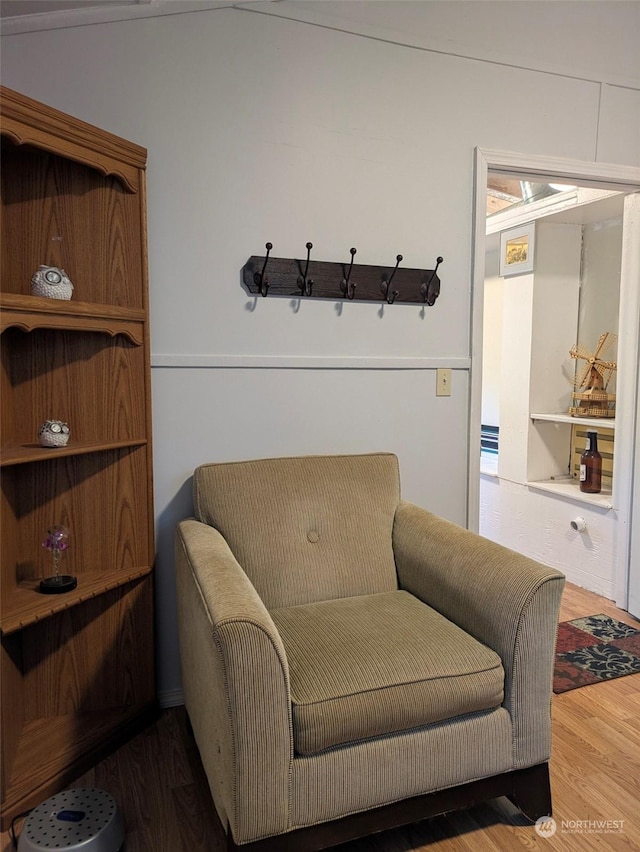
367, 666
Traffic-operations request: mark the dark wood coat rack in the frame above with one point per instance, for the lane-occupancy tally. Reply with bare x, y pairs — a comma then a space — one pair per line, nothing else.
284, 276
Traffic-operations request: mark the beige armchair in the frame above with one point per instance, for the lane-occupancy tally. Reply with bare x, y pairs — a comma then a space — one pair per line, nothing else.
352, 662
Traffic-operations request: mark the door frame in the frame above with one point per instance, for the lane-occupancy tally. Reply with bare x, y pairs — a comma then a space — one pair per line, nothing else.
598, 175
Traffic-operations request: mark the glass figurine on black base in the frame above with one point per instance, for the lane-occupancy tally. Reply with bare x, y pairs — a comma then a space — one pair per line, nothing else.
57, 541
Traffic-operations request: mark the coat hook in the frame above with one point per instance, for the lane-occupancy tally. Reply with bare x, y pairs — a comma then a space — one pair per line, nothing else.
390, 295
349, 291
259, 278
304, 283
430, 290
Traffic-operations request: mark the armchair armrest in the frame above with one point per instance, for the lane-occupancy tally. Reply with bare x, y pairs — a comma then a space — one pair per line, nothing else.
236, 684
502, 598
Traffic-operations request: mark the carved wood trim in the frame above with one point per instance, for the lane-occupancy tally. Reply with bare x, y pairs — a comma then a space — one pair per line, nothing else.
26, 123
31, 312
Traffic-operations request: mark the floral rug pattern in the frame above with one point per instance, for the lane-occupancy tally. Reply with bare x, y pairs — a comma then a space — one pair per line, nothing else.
593, 649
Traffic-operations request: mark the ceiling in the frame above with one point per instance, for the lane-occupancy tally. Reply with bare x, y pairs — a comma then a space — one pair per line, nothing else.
22, 16
15, 8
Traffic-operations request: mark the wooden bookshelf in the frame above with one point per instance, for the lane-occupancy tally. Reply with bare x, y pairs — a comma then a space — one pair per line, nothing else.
77, 672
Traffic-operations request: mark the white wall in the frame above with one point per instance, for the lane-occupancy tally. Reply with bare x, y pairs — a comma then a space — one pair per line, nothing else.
538, 524
264, 128
600, 291
492, 334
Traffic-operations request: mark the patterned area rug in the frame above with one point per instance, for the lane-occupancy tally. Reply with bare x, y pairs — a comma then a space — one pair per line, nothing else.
593, 649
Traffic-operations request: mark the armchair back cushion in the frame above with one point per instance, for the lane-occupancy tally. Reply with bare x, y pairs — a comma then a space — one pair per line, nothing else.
306, 529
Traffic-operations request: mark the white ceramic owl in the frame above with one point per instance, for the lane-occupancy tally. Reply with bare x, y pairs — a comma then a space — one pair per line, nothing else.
53, 433
52, 283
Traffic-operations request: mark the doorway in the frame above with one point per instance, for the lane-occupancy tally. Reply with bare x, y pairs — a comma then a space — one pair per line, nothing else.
619, 517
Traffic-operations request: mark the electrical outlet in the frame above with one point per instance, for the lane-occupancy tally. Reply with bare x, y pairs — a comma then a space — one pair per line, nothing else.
443, 382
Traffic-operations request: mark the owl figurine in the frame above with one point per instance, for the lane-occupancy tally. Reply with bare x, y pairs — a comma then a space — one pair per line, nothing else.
53, 433
52, 283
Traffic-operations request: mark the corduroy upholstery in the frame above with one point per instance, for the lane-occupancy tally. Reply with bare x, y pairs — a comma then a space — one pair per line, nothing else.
343, 650
373, 665
304, 529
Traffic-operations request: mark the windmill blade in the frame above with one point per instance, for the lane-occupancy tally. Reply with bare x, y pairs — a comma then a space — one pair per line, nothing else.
580, 382
601, 341
606, 374
605, 343
606, 365
580, 351
605, 369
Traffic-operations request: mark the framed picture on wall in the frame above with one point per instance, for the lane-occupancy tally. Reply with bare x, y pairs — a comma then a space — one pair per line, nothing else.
516, 250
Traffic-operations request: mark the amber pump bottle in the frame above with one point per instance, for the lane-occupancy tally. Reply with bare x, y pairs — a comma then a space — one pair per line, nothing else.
591, 466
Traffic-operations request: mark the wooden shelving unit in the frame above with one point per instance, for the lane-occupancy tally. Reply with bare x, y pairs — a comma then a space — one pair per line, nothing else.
77, 673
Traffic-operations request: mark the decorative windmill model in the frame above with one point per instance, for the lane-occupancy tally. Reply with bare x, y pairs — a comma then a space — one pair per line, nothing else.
590, 397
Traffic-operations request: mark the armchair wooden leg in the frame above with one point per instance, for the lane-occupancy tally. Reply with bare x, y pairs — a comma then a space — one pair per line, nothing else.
532, 791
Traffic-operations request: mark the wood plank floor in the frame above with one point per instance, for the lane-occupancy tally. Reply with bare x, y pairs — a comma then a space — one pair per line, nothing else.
595, 773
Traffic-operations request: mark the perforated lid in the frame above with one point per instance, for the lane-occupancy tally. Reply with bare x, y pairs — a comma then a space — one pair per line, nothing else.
83, 819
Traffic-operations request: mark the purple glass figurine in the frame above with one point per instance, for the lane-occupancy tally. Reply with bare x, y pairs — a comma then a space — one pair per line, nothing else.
57, 541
